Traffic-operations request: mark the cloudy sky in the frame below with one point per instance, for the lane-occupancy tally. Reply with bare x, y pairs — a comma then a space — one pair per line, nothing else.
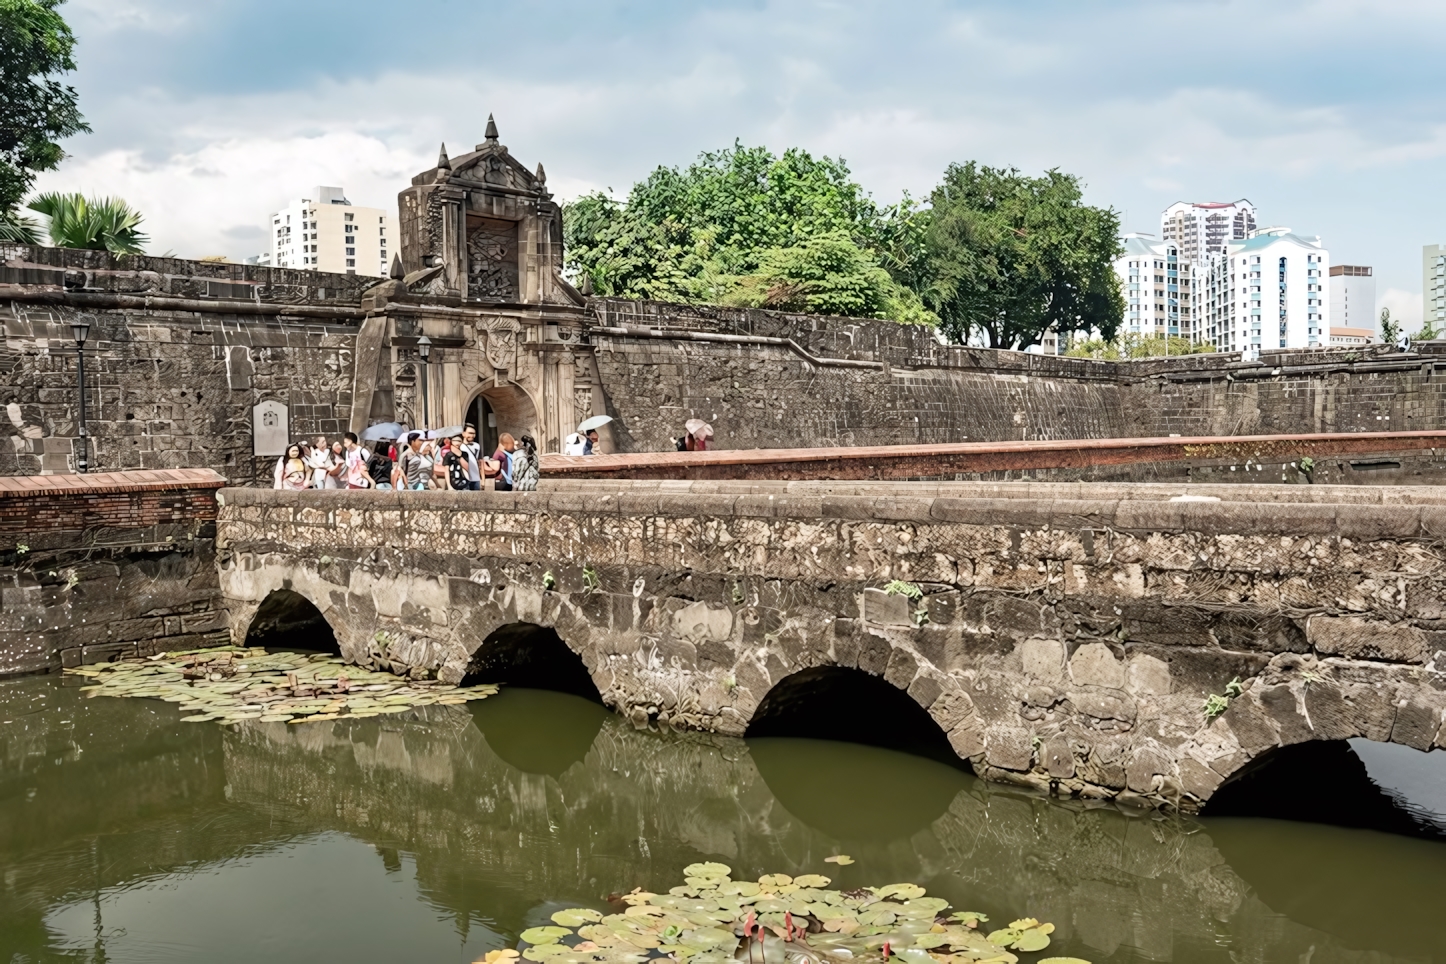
1329, 115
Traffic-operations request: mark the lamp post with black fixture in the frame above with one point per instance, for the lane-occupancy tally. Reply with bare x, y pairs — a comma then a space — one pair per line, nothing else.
81, 330
424, 349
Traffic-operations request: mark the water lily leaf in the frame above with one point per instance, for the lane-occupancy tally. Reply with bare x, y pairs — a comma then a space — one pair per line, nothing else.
843, 860
1032, 939
970, 917
640, 910
931, 940
741, 888
923, 907
544, 952
906, 891
1062, 960
811, 880
576, 916
773, 881
708, 869
545, 935
706, 937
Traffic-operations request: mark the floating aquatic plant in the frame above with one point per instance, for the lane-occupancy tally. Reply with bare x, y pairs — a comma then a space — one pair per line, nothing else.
713, 919
229, 685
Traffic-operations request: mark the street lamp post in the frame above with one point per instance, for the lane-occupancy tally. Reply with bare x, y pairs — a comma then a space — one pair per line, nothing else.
424, 349
81, 329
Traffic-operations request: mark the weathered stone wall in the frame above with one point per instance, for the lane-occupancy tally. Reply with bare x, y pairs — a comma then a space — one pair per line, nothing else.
1062, 644
181, 351
121, 564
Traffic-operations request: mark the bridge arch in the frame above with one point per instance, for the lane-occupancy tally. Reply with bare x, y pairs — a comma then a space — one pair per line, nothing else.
832, 702
533, 656
285, 619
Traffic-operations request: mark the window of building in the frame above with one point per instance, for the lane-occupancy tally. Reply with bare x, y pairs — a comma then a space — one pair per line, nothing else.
351, 262
351, 251
351, 217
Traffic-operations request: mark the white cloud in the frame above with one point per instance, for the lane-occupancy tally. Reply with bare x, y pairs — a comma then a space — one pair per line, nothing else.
1405, 307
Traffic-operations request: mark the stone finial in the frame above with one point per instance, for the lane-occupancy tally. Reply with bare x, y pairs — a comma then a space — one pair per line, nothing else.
491, 134
541, 174
397, 272
443, 162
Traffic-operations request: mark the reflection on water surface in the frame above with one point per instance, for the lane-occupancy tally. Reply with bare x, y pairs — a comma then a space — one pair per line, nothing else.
437, 835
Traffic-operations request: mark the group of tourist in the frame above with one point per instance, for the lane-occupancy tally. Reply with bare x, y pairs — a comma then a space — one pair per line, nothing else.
412, 462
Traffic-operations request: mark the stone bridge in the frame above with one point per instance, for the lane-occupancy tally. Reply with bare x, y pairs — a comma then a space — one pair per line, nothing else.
1061, 637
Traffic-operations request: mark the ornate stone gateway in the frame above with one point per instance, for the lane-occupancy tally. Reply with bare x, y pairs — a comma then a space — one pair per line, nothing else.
479, 278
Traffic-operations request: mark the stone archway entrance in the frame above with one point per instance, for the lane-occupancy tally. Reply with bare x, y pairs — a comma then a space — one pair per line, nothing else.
503, 408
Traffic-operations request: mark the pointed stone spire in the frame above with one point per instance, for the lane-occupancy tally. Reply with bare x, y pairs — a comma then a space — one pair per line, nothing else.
491, 129
443, 162
541, 174
397, 272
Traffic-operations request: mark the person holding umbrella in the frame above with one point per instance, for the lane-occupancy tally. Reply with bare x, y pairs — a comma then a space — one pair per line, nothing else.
698, 432
588, 431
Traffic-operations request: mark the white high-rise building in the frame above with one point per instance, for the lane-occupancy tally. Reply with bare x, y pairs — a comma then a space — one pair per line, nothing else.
1267, 291
1352, 304
1202, 228
1157, 286
326, 232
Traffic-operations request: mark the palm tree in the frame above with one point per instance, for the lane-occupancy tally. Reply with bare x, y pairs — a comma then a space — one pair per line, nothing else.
17, 229
105, 224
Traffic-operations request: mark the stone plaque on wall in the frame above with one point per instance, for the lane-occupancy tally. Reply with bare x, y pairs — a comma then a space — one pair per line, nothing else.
270, 427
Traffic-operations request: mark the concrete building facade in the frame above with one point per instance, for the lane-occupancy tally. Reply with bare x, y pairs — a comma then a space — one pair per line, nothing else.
1433, 285
1352, 304
326, 232
1267, 291
1157, 285
1202, 228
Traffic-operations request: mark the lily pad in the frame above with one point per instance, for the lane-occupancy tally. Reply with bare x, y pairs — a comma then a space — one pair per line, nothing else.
905, 891
772, 881
708, 869
544, 952
811, 880
843, 860
1026, 934
576, 916
545, 935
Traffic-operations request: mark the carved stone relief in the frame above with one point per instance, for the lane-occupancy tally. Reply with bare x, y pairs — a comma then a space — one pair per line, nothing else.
492, 260
581, 403
501, 342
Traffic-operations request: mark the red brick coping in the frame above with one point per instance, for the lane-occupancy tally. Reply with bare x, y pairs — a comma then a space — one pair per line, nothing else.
108, 483
881, 462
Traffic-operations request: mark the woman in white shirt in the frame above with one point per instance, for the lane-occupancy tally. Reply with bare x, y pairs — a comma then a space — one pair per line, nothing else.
318, 459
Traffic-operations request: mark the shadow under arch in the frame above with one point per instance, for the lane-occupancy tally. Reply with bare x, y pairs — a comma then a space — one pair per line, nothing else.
288, 620
851, 706
853, 756
1318, 781
502, 408
548, 712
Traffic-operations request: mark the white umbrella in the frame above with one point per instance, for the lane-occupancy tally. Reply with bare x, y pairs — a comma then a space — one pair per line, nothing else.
444, 432
385, 430
597, 421
698, 428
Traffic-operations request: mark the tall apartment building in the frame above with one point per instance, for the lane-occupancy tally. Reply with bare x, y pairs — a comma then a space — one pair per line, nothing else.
1433, 285
1267, 291
1352, 304
1202, 228
1157, 287
326, 232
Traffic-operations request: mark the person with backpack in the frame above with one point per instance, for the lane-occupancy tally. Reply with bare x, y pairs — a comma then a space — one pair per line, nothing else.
354, 473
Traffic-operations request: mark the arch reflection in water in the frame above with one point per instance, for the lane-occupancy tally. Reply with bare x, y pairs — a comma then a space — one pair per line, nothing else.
539, 731
288, 620
849, 705
853, 793
535, 657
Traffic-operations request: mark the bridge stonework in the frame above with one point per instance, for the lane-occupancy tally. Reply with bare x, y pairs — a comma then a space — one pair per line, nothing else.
1061, 643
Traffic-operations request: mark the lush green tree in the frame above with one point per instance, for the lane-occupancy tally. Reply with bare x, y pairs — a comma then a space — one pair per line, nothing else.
1136, 346
743, 226
107, 224
36, 110
1012, 256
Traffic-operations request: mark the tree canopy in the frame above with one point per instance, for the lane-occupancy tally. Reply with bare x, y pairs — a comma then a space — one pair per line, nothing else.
36, 109
743, 226
1012, 256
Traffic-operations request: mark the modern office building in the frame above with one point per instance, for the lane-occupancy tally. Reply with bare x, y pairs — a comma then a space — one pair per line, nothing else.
1433, 285
1267, 291
326, 232
1156, 282
1202, 228
1352, 303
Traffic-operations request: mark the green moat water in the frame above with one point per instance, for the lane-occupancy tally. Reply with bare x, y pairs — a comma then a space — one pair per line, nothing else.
437, 835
